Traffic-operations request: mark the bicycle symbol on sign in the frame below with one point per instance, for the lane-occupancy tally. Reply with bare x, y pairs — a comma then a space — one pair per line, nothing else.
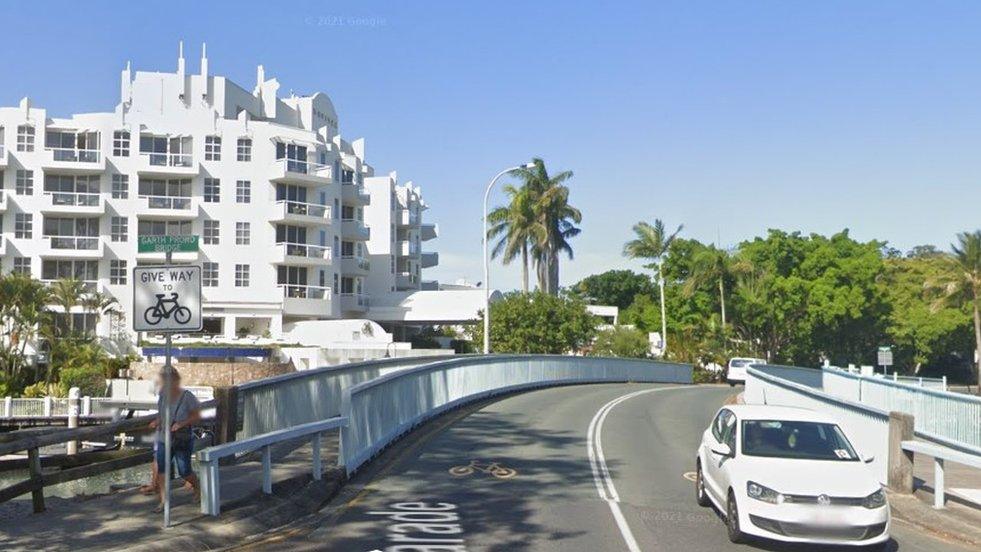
165, 308
493, 468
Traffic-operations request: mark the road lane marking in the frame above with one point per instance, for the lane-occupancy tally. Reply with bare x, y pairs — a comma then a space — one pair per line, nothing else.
601, 472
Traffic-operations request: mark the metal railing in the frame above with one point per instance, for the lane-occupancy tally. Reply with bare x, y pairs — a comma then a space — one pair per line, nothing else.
359, 262
177, 203
75, 155
74, 199
169, 159
304, 209
300, 166
210, 457
940, 455
304, 292
80, 243
383, 409
305, 250
940, 415
358, 300
52, 407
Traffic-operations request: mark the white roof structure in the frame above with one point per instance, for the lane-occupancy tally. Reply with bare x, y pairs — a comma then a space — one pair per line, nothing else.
456, 306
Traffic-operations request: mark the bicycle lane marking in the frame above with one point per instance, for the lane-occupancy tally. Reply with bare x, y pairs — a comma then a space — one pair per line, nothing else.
601, 474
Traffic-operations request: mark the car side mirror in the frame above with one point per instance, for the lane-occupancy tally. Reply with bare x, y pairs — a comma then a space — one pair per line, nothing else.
722, 449
868, 459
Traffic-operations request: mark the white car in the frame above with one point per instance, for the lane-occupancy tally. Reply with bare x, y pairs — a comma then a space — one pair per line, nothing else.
736, 372
791, 475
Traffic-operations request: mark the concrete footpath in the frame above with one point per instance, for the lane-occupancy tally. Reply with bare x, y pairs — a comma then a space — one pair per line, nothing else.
125, 519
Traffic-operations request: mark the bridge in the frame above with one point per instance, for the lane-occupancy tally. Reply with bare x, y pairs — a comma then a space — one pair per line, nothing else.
516, 453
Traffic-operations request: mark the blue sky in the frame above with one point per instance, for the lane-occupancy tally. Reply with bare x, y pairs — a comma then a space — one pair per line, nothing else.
730, 116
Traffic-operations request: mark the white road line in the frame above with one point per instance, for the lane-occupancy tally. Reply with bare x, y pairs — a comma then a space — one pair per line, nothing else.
601, 473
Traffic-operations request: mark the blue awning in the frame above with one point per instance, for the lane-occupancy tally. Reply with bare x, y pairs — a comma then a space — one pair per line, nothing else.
208, 352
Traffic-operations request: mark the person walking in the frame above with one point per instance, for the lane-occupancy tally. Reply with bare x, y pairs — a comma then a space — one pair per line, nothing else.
185, 411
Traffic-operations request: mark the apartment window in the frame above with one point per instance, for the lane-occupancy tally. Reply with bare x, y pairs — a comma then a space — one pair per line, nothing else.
244, 152
119, 229
335, 284
212, 190
393, 263
212, 148
120, 186
120, 143
23, 225
241, 275
164, 228
243, 233
209, 274
22, 265
117, 272
24, 184
211, 232
25, 138
243, 191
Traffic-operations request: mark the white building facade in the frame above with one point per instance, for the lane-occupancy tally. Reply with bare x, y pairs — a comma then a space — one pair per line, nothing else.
293, 224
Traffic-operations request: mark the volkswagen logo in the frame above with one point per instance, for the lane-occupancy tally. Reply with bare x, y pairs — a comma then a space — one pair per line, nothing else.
824, 500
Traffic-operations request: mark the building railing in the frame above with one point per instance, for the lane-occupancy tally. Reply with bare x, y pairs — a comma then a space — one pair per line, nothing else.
74, 199
297, 291
89, 286
81, 243
304, 209
360, 300
2, 150
305, 250
299, 166
185, 160
75, 155
360, 262
176, 203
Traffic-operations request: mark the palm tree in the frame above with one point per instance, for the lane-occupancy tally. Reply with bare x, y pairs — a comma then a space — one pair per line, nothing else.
514, 225
961, 283
554, 220
68, 293
715, 266
652, 242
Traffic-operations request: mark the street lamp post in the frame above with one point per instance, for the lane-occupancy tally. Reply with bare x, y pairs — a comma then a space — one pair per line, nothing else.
483, 238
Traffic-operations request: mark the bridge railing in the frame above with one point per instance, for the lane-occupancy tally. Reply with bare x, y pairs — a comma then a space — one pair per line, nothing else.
307, 396
382, 409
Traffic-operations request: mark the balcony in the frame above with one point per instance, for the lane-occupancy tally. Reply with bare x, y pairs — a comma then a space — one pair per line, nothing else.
74, 161
355, 230
88, 286
166, 164
167, 207
296, 212
406, 217
72, 247
74, 203
407, 248
429, 259
299, 300
354, 194
294, 171
428, 231
351, 264
3, 201
354, 302
286, 253
405, 280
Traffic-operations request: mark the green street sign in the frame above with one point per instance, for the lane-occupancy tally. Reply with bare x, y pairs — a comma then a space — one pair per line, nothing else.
163, 244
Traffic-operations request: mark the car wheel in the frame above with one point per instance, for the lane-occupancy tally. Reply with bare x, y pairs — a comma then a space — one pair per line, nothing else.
881, 547
700, 497
732, 521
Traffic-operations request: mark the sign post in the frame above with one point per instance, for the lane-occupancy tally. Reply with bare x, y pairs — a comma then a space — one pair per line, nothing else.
167, 299
885, 358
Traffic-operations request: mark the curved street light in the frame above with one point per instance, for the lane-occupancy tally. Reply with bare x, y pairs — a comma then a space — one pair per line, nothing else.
486, 258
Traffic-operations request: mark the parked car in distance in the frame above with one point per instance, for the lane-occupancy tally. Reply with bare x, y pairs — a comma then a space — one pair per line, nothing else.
736, 371
791, 475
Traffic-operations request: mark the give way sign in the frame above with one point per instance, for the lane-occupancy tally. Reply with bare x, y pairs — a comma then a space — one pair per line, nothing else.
167, 298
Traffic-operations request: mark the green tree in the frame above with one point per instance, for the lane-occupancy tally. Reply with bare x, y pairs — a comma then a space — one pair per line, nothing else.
555, 220
538, 323
652, 242
516, 229
621, 341
960, 283
22, 307
613, 287
715, 266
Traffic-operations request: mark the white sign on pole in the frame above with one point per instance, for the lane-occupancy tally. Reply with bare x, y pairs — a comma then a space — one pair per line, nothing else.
167, 298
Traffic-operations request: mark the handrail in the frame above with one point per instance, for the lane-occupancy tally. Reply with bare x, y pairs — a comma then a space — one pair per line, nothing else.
75, 155
963, 397
178, 203
306, 374
310, 209
820, 395
209, 457
74, 199
941, 454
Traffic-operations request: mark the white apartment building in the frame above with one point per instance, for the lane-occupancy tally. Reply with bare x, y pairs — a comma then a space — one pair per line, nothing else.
293, 224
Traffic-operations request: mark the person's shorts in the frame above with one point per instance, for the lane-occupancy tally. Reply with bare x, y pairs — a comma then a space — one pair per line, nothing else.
181, 457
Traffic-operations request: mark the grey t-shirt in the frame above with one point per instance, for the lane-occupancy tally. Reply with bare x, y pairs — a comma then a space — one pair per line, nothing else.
180, 410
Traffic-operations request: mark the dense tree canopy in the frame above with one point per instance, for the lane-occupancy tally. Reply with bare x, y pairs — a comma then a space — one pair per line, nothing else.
613, 287
538, 323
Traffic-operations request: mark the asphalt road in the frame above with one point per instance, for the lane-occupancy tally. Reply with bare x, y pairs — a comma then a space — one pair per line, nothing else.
553, 501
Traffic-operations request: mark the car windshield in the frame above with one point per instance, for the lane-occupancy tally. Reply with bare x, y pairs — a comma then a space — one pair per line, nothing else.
796, 439
740, 362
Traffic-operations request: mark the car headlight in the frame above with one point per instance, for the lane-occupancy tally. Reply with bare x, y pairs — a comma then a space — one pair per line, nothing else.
766, 494
875, 500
